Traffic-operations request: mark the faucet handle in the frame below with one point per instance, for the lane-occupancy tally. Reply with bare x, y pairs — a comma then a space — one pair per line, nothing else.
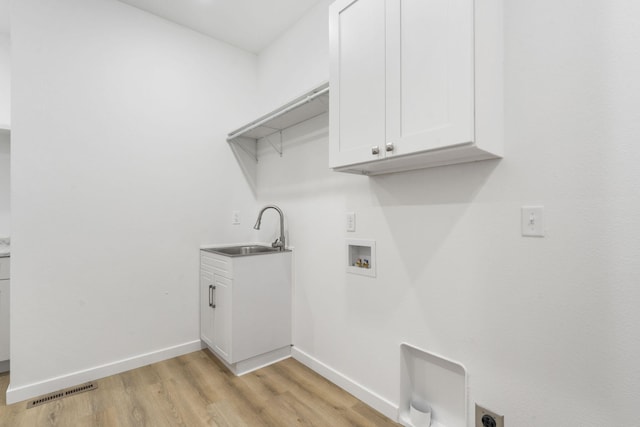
278, 244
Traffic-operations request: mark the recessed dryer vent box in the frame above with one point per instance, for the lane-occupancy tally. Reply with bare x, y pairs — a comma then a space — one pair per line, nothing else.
435, 381
361, 257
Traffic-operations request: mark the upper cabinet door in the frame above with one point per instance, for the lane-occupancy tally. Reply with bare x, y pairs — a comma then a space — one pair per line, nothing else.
430, 74
357, 105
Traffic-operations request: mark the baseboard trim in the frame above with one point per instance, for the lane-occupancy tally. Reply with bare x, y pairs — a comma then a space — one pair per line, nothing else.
17, 394
254, 363
367, 396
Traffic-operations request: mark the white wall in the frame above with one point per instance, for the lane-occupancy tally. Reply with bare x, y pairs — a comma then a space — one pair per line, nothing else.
547, 328
296, 62
5, 171
120, 171
5, 122
5, 81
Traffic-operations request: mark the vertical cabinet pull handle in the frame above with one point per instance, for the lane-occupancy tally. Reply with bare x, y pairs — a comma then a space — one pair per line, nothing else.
213, 302
210, 295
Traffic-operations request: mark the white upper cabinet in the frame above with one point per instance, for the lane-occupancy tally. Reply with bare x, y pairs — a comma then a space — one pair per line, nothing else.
415, 83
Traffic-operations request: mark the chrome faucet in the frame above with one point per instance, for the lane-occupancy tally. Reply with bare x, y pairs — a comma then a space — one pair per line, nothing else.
279, 243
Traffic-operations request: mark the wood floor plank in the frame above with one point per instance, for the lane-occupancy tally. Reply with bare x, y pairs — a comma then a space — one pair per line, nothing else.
197, 390
4, 383
105, 418
313, 385
287, 410
225, 413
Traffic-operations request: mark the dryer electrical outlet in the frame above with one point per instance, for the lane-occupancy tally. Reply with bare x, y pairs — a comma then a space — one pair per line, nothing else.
487, 418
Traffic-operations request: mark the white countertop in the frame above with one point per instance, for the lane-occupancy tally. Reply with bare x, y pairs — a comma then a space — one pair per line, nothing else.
5, 246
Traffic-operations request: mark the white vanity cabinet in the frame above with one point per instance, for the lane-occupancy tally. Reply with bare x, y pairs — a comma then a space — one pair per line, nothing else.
4, 313
245, 308
414, 83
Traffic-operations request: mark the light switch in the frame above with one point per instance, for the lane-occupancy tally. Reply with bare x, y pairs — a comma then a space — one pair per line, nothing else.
533, 221
351, 221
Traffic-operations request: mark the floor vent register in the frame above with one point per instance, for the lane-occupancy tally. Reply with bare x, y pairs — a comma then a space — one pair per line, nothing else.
41, 400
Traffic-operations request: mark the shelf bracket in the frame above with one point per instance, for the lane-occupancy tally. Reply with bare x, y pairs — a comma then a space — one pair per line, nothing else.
240, 143
278, 147
254, 156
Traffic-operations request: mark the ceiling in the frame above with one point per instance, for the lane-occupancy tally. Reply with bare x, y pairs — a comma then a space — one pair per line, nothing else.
248, 24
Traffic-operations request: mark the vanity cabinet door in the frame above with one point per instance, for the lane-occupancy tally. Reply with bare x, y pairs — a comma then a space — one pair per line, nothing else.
4, 320
206, 311
221, 297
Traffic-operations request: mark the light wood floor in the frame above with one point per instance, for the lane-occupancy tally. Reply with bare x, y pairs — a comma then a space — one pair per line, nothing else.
197, 390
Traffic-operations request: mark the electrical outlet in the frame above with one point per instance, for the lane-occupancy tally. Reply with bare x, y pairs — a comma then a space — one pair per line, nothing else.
487, 418
235, 218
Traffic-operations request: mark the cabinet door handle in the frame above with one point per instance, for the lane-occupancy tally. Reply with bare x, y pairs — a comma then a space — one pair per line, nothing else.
389, 146
213, 302
210, 295
375, 150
